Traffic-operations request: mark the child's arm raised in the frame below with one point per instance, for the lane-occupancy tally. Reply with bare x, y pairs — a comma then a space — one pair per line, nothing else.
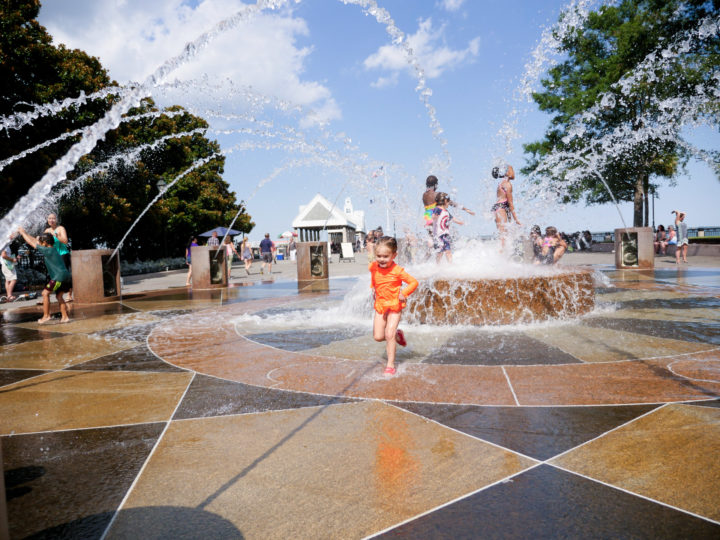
29, 239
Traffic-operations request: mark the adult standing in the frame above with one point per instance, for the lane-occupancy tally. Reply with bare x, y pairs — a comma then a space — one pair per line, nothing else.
504, 208
247, 255
188, 258
682, 236
61, 246
370, 246
9, 273
229, 252
292, 248
267, 249
214, 241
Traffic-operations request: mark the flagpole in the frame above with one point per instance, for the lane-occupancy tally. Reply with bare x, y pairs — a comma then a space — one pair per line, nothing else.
387, 204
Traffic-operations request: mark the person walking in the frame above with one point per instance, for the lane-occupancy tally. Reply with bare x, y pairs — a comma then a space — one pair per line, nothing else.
267, 251
188, 258
247, 255
682, 236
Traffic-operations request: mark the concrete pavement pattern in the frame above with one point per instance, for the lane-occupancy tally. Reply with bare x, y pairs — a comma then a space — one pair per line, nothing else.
160, 416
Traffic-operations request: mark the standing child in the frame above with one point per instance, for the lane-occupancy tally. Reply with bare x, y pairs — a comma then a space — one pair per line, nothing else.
9, 272
386, 280
59, 276
441, 227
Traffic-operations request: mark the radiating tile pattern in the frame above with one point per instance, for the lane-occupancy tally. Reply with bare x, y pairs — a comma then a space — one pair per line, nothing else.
342, 470
548, 503
679, 445
69, 484
307, 438
82, 399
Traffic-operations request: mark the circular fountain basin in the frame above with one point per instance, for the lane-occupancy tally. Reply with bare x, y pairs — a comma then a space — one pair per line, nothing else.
502, 301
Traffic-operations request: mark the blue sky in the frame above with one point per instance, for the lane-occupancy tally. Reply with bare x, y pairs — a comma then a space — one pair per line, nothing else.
338, 64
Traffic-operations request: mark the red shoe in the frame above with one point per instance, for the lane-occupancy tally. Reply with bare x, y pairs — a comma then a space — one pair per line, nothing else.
389, 371
400, 338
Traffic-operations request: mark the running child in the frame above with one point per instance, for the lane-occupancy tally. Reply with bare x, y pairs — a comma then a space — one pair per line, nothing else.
386, 281
441, 227
59, 276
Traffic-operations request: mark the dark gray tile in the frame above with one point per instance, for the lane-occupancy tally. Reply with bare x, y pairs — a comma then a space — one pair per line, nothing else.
497, 348
707, 331
538, 432
12, 335
208, 396
549, 503
9, 376
136, 359
68, 484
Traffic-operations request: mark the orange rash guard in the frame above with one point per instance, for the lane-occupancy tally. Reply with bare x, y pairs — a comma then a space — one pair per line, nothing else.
387, 283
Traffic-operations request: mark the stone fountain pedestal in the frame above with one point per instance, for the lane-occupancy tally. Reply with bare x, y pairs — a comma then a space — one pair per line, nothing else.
208, 267
502, 301
312, 266
95, 276
634, 248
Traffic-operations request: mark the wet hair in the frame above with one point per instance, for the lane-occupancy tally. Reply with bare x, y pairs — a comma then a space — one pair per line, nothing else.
661, 227
550, 231
441, 198
431, 181
535, 230
388, 241
47, 239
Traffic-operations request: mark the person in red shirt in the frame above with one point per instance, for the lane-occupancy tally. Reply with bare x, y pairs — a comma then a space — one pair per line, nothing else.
386, 279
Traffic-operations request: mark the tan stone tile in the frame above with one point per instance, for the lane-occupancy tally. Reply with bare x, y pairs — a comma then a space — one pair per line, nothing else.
95, 324
669, 455
81, 399
60, 352
591, 344
343, 471
647, 381
629, 295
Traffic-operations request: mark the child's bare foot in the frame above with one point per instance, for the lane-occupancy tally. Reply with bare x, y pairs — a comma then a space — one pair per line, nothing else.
44, 320
66, 319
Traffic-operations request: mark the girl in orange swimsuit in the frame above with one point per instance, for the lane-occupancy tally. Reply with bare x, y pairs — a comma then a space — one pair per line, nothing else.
386, 279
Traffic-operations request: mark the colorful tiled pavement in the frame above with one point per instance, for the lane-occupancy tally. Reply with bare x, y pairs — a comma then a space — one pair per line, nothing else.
159, 417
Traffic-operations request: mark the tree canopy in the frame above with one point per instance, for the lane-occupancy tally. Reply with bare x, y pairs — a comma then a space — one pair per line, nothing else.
635, 75
111, 186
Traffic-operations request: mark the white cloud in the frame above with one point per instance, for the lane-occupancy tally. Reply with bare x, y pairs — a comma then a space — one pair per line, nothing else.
427, 44
452, 5
132, 38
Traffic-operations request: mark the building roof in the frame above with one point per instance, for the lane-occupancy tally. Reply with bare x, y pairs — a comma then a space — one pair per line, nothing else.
321, 213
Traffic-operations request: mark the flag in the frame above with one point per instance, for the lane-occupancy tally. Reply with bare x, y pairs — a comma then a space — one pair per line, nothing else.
379, 172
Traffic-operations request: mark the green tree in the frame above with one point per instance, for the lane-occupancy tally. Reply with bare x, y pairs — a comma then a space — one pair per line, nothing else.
109, 193
113, 199
34, 71
635, 75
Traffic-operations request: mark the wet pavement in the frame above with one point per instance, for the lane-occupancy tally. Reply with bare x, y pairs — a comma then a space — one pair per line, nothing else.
168, 415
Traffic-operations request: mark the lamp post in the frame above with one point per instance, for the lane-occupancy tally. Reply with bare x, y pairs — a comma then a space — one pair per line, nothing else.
161, 187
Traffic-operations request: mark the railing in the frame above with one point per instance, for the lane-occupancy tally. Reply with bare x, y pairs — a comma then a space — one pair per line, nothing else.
696, 232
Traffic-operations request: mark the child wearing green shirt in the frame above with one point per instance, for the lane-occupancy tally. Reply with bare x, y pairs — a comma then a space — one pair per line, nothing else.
59, 276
